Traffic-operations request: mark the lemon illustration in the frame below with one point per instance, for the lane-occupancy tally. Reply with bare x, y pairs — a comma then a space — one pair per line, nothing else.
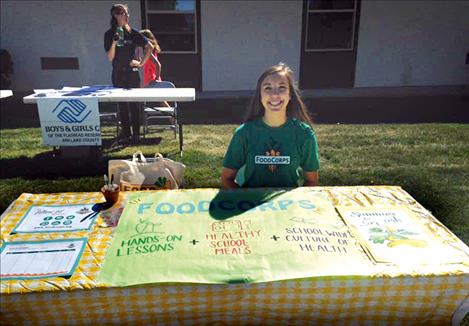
407, 242
390, 229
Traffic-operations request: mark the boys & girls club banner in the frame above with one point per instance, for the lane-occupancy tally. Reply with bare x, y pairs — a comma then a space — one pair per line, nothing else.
255, 235
69, 121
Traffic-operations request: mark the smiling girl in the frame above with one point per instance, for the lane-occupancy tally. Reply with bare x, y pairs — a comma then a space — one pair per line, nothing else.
276, 141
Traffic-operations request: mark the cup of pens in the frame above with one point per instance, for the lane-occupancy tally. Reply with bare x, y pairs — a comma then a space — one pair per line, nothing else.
110, 190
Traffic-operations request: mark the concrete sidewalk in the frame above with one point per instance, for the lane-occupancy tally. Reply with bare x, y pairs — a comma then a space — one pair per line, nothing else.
448, 104
354, 105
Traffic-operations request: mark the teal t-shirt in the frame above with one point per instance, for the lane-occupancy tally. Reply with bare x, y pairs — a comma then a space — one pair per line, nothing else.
273, 156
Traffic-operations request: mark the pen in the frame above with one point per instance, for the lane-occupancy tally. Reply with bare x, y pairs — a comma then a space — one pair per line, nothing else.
90, 215
106, 181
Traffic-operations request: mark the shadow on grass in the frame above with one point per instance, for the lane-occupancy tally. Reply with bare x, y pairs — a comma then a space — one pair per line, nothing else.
69, 162
50, 164
434, 198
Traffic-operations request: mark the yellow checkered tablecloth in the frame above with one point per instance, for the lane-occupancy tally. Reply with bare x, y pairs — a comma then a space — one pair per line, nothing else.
428, 298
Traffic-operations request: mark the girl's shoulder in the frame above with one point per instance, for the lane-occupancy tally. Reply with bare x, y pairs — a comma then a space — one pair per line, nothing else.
244, 128
301, 126
247, 128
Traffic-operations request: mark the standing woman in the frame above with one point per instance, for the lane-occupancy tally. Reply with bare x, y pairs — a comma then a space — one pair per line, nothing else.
276, 140
120, 42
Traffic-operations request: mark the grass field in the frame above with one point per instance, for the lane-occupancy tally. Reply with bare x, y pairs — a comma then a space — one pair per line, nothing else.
430, 161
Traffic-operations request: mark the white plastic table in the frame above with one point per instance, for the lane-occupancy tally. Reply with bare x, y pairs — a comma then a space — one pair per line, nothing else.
5, 93
110, 94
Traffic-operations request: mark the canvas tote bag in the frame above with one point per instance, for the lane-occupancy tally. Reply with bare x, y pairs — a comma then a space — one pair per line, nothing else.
140, 173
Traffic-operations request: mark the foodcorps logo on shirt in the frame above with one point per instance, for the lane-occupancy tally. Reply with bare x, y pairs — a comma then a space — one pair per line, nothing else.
261, 159
272, 156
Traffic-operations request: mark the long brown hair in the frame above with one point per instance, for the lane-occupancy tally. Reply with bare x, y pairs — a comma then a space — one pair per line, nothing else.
117, 7
295, 108
149, 35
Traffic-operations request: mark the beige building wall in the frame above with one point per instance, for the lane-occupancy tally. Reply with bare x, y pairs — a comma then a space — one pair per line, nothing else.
240, 39
34, 29
413, 43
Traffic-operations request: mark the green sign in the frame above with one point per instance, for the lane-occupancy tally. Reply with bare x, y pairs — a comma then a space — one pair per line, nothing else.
231, 236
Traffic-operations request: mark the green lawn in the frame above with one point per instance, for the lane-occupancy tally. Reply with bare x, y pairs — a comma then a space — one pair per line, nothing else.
430, 161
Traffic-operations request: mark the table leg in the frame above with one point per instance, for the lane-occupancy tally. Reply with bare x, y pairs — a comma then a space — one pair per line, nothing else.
181, 140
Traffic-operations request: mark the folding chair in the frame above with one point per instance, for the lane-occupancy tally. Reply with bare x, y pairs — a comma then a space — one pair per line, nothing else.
110, 119
161, 117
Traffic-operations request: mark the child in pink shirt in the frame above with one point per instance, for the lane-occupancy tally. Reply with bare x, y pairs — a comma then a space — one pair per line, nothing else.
152, 68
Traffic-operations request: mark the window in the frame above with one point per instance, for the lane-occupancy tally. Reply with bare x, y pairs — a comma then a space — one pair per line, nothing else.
330, 25
174, 24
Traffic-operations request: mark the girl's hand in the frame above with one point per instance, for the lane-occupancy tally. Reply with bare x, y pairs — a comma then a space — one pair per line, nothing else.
135, 63
311, 179
127, 26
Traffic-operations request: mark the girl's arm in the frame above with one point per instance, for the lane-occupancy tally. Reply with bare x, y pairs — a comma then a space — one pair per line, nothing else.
227, 178
112, 51
157, 64
154, 59
148, 48
311, 179
158, 67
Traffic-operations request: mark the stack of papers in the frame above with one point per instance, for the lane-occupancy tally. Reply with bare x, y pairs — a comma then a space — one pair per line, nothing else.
39, 259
